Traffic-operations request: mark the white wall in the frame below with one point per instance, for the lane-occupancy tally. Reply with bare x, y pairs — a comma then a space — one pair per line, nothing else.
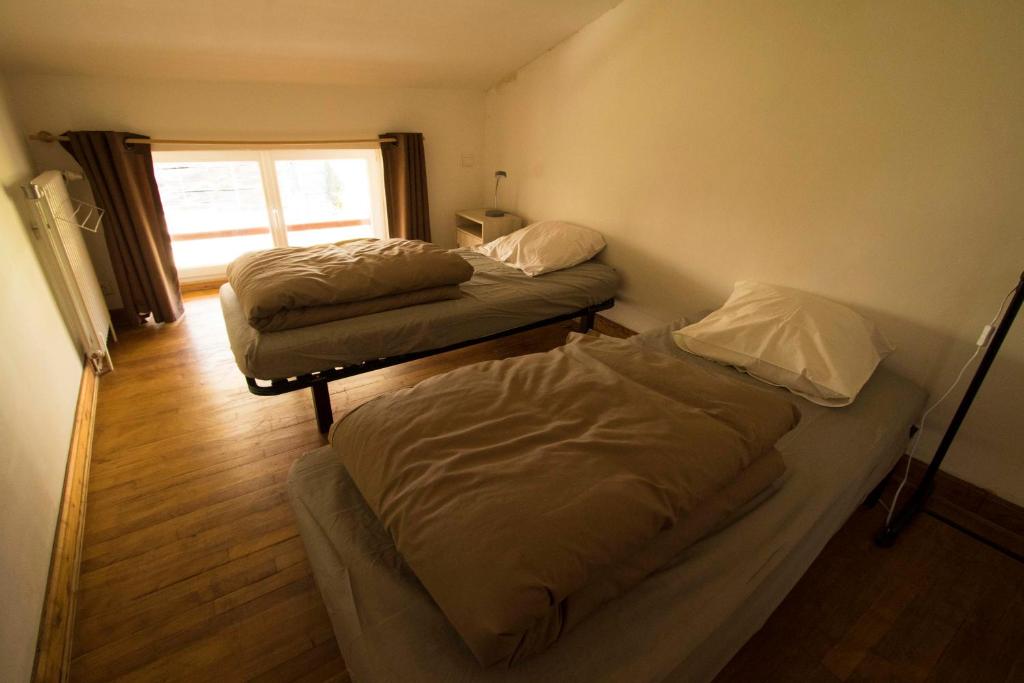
41, 371
450, 120
871, 152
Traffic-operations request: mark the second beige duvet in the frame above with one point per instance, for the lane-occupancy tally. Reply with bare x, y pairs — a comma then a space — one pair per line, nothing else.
289, 287
525, 493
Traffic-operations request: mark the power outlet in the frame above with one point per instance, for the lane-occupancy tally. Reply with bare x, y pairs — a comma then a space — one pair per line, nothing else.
468, 160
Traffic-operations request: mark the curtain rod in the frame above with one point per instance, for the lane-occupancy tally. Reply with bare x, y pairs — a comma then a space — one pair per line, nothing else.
44, 136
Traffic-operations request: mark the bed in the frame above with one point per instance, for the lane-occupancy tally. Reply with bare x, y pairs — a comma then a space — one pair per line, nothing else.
682, 623
498, 301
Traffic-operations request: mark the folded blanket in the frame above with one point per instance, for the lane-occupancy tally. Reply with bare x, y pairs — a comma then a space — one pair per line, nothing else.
524, 493
274, 284
314, 315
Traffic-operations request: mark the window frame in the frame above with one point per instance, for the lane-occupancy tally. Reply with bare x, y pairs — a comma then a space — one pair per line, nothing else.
271, 192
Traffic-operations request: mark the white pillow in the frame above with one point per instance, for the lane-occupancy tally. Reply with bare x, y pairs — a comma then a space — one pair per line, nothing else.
814, 347
545, 247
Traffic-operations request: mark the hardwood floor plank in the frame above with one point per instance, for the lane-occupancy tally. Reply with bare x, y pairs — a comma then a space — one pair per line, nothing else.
131, 544
937, 606
988, 642
178, 455
193, 641
190, 494
259, 626
111, 586
890, 592
320, 661
160, 607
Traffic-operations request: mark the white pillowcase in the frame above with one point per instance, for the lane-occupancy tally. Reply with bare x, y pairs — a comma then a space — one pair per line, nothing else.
545, 246
814, 347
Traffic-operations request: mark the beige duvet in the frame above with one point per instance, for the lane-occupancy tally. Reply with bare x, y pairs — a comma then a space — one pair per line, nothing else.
527, 492
291, 287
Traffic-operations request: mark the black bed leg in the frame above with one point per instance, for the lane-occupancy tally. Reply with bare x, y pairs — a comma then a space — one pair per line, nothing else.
876, 493
587, 321
322, 406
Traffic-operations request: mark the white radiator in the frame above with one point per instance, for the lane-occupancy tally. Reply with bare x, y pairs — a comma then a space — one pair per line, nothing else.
58, 221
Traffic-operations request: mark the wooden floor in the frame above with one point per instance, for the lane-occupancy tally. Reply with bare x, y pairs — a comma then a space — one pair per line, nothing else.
193, 570
192, 565
939, 606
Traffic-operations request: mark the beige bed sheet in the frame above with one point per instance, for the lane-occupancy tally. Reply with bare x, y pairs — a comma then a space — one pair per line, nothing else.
497, 298
681, 624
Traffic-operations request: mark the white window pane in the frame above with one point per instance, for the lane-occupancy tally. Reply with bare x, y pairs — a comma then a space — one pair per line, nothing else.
215, 210
325, 200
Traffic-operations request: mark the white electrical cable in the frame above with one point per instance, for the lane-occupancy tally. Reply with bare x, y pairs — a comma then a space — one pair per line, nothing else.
983, 340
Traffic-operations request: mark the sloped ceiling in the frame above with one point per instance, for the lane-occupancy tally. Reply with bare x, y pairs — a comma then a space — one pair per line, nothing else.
390, 43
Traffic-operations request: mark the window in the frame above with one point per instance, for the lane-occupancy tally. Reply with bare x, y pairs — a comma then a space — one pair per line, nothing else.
221, 204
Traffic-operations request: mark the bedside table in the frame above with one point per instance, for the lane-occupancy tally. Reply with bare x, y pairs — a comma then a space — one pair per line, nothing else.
473, 227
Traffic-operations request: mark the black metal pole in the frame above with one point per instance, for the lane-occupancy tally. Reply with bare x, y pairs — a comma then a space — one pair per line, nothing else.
900, 520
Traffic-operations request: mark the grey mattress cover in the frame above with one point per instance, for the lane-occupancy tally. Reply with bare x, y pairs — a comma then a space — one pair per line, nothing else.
683, 623
498, 298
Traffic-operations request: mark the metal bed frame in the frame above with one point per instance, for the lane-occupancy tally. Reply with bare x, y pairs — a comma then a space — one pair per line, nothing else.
317, 382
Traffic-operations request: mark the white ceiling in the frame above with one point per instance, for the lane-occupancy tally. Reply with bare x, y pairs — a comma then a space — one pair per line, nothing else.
429, 43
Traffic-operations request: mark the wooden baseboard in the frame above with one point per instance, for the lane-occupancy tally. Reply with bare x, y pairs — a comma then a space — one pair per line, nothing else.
53, 647
971, 508
612, 329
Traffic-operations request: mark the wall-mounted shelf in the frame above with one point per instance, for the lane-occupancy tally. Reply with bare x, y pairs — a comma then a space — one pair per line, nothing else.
473, 227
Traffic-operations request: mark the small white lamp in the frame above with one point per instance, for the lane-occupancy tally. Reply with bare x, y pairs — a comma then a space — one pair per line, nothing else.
496, 212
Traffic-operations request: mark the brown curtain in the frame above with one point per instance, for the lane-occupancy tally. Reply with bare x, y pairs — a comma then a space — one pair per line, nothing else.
405, 186
124, 186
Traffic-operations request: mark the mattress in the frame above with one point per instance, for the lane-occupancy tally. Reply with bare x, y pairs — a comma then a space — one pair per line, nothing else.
683, 623
498, 298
